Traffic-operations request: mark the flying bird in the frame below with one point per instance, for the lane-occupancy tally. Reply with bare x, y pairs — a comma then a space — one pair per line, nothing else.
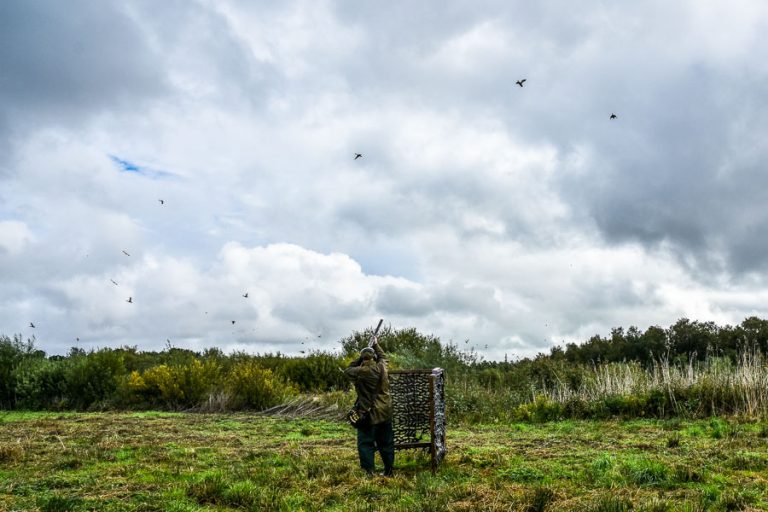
161, 201
521, 82
358, 155
31, 325
613, 116
245, 295
125, 252
233, 322
113, 282
130, 300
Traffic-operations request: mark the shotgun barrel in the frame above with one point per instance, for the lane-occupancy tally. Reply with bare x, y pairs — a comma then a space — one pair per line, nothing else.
370, 343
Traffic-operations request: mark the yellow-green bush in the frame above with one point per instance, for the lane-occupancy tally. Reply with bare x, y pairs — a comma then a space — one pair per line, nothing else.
182, 385
253, 387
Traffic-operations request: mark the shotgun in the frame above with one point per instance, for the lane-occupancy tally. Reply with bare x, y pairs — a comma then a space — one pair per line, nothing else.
373, 337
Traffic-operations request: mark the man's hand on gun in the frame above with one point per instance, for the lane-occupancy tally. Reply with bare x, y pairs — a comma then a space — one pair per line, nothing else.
374, 338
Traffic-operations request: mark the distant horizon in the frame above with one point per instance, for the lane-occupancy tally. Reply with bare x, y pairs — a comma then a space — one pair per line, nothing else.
338, 350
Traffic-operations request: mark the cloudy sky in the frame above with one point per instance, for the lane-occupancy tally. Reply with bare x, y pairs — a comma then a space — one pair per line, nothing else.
512, 217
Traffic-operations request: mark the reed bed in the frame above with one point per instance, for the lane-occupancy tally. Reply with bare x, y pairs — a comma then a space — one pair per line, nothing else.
714, 386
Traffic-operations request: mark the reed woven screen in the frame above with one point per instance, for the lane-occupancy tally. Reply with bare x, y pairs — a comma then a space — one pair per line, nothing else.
418, 399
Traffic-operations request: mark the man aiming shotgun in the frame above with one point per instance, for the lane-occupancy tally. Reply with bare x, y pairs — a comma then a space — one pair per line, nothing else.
374, 404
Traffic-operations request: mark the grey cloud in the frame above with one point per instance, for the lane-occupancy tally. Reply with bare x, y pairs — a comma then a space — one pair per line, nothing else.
202, 48
396, 300
61, 60
660, 177
318, 308
65, 62
452, 298
456, 297
657, 173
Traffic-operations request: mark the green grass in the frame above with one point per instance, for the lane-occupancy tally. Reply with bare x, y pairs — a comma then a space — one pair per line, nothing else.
206, 462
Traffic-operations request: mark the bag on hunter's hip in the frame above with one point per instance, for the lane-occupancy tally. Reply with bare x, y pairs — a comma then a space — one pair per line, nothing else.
358, 417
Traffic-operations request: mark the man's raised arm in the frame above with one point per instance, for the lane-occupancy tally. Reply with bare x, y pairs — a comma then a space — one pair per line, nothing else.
380, 354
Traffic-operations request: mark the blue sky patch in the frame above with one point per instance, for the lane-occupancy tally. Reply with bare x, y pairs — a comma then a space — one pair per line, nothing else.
127, 166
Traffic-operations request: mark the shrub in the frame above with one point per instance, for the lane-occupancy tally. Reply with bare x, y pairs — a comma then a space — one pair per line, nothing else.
159, 385
40, 383
542, 409
183, 385
317, 373
254, 387
92, 379
12, 352
466, 401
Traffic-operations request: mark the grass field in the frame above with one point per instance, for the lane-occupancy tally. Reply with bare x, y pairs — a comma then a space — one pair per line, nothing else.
184, 462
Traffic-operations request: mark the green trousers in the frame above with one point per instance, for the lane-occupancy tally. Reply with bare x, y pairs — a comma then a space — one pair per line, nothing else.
379, 437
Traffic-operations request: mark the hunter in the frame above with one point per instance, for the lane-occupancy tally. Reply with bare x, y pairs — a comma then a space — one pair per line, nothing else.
369, 374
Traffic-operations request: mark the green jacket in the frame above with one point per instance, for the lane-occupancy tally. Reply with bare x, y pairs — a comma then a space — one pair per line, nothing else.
372, 380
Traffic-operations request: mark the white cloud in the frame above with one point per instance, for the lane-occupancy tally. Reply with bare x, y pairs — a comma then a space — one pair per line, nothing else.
14, 237
478, 49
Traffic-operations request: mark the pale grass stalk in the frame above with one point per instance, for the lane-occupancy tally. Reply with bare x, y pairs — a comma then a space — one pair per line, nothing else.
740, 387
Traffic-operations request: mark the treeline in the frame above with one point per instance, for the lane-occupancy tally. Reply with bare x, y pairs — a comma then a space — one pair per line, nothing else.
180, 379
682, 340
173, 379
681, 343
689, 368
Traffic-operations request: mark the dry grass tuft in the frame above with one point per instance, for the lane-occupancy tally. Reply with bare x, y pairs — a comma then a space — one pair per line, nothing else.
11, 452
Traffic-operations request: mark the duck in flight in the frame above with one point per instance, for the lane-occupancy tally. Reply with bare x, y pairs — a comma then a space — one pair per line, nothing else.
113, 282
31, 325
129, 300
521, 82
358, 155
161, 201
245, 295
613, 116
125, 252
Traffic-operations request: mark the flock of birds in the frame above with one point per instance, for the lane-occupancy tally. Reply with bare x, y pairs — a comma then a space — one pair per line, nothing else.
130, 300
